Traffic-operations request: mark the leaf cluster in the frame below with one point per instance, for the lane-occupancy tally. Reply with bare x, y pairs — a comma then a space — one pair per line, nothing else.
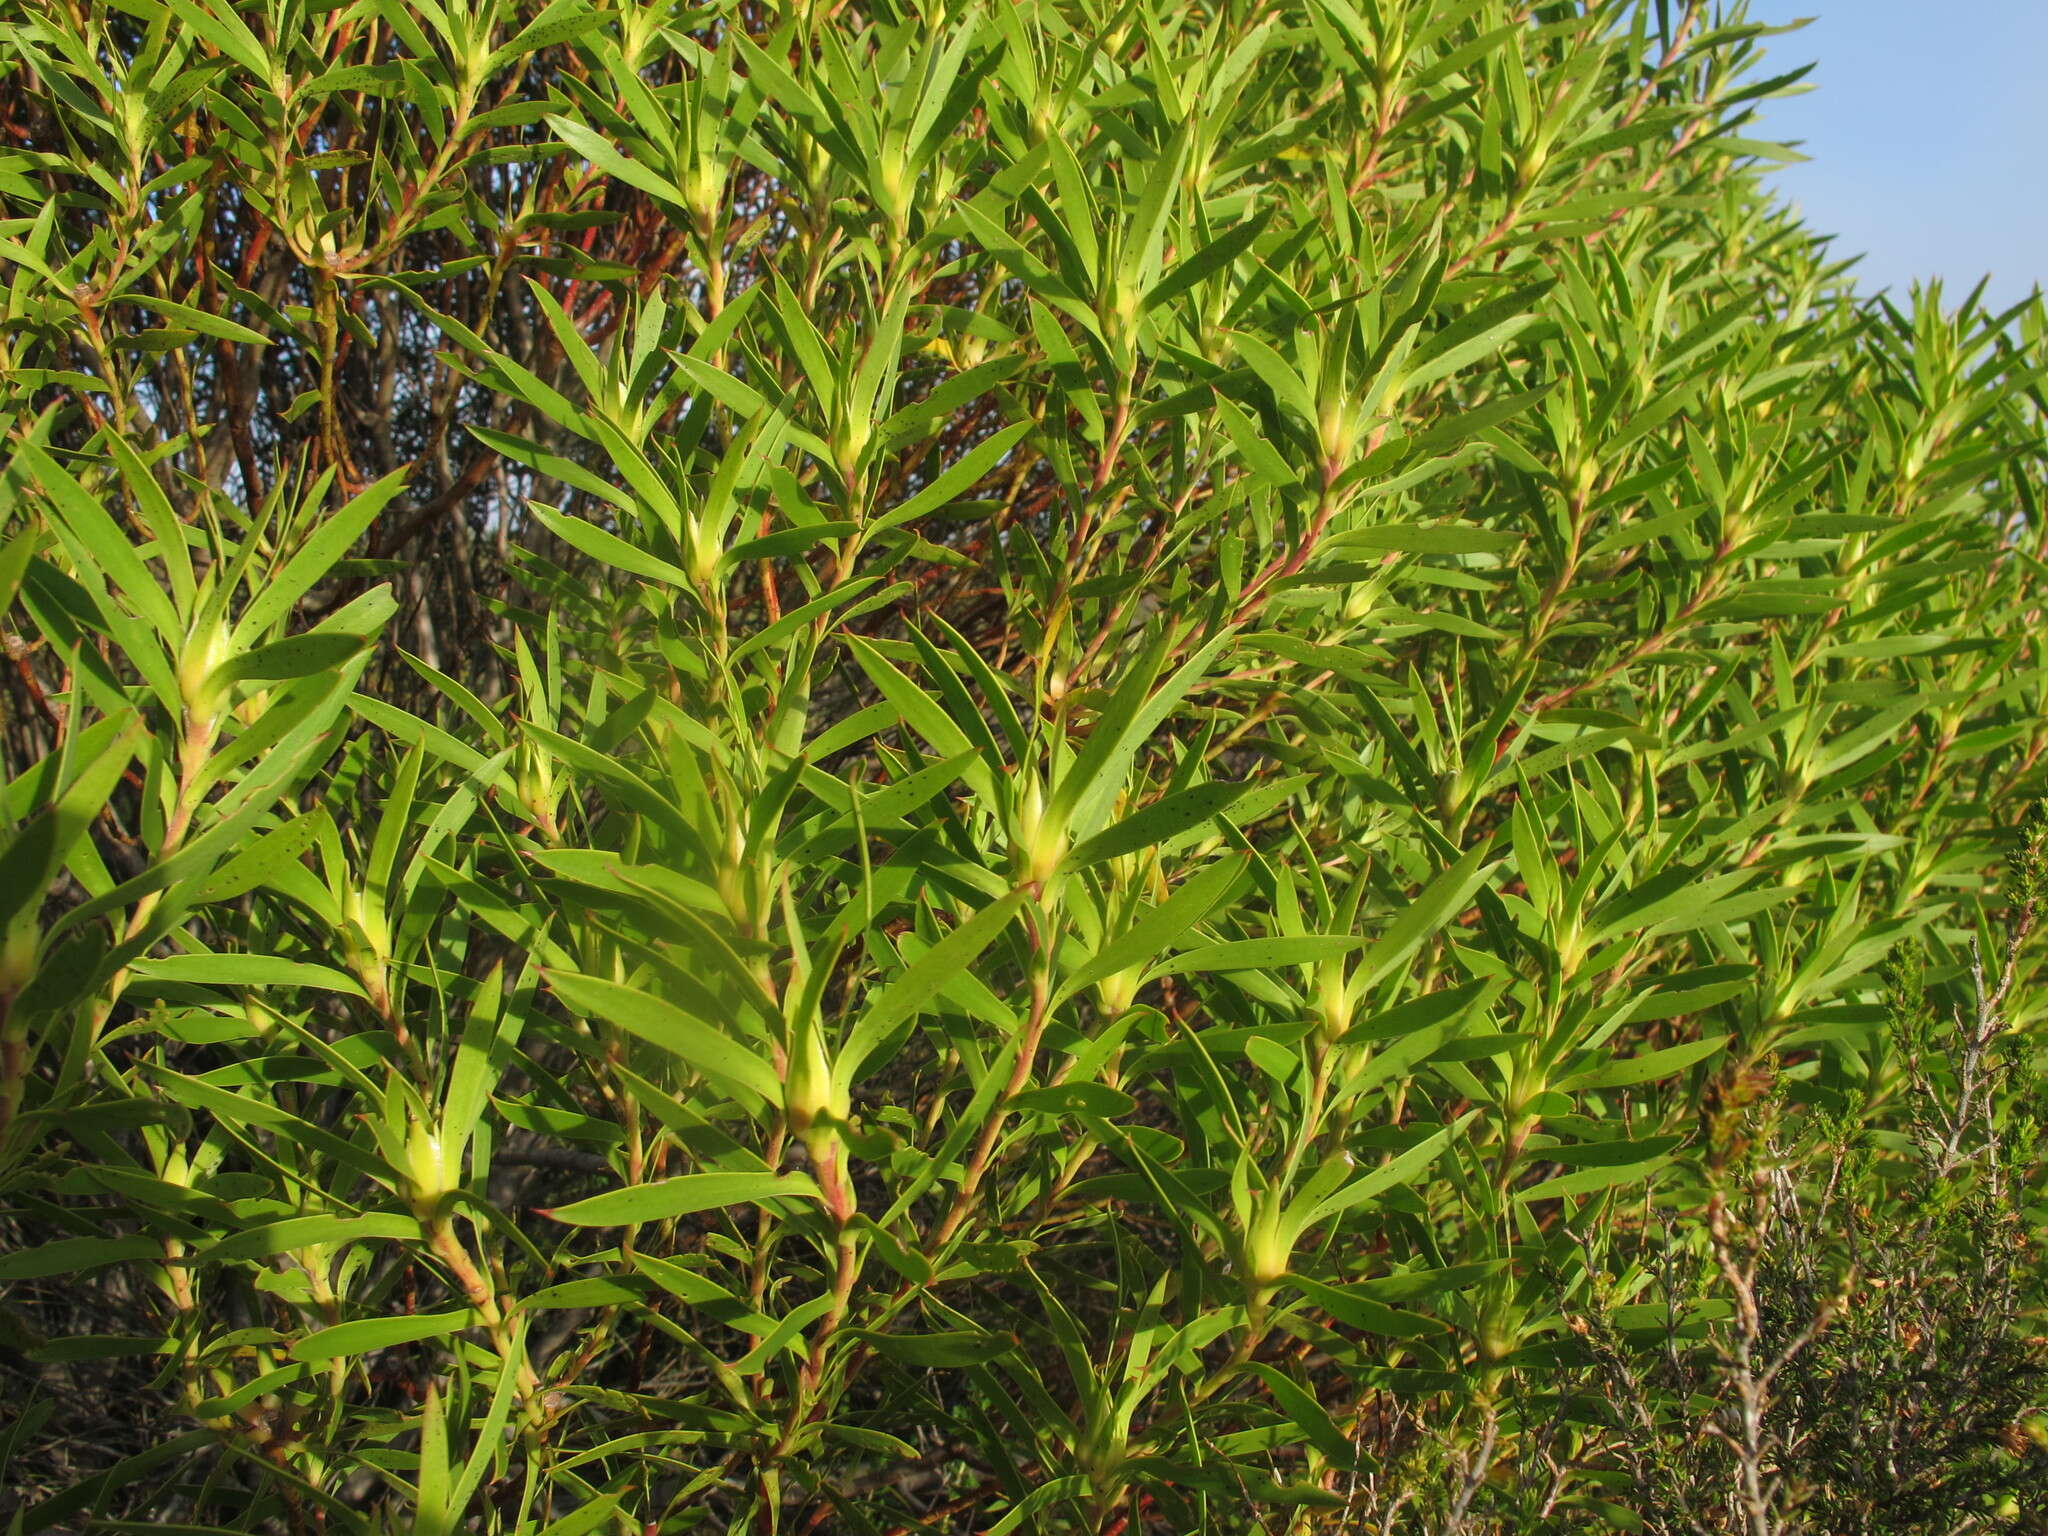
956, 767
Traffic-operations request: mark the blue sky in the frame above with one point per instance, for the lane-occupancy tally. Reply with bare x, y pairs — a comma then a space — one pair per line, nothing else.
1928, 132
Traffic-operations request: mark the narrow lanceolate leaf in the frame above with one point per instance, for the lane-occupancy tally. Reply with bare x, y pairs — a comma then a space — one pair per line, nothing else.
1587, 1181
1439, 901
1097, 1099
607, 547
298, 656
585, 1518
1081, 801
75, 1256
1648, 1067
666, 1199
316, 558
37, 850
606, 156
1212, 258
203, 321
1476, 336
1158, 928
300, 1232
1401, 1169
1257, 954
1356, 1307
1158, 822
365, 1335
699, 1045
88, 522
923, 981
1307, 1415
267, 859
245, 971
915, 706
929, 1350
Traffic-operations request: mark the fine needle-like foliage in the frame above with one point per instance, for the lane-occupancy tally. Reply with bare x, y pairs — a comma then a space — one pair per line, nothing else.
1091, 767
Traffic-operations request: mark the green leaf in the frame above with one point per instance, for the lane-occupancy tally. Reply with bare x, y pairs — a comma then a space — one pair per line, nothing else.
365, 1335
956, 479
296, 1232
1477, 335
1072, 1485
76, 1256
1428, 539
1277, 375
914, 706
203, 321
1352, 1306
1441, 900
604, 155
699, 1045
666, 1199
334, 536
110, 550
298, 656
1307, 1415
586, 1518
1209, 260
1649, 1067
919, 984
1256, 954
266, 860
609, 549
227, 32
1451, 429
37, 850
931, 1351
1403, 1168
1592, 1180
245, 971
1609, 1154
1158, 822
1086, 791
1157, 929
1062, 1099
784, 542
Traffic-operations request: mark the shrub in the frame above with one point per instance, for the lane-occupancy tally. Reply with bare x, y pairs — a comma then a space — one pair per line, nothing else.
997, 768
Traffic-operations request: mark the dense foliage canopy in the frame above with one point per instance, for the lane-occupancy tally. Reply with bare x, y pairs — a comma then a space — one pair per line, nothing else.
999, 765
